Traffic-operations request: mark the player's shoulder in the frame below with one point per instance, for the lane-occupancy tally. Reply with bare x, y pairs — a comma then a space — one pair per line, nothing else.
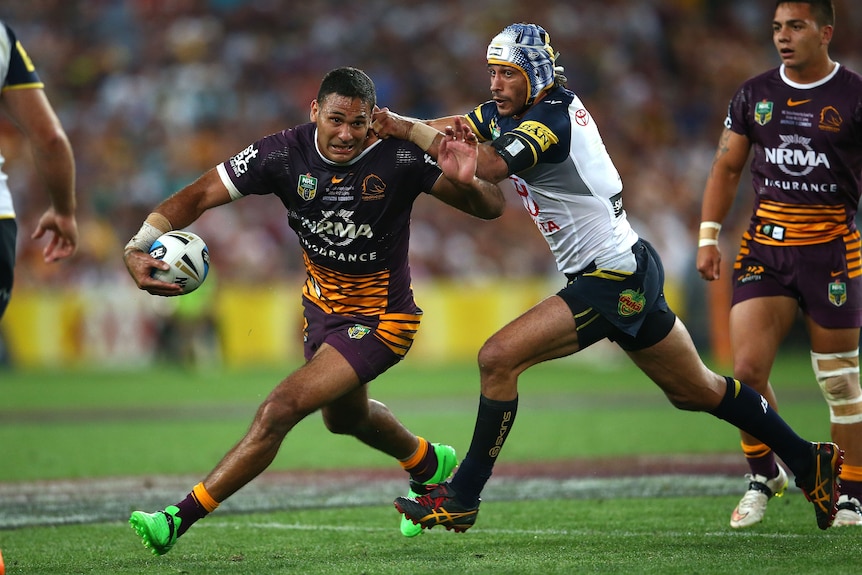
554, 111
301, 136
558, 97
555, 102
849, 76
769, 77
483, 113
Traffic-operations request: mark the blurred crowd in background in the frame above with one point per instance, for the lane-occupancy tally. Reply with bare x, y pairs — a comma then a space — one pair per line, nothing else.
154, 92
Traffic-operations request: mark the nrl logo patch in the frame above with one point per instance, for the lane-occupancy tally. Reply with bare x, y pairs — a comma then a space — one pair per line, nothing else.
837, 293
631, 303
763, 112
307, 187
358, 331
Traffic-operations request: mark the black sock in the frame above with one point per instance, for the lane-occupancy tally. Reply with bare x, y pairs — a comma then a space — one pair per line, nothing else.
493, 423
749, 411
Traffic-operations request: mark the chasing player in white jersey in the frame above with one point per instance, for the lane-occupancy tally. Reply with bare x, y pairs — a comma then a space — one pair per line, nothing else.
542, 137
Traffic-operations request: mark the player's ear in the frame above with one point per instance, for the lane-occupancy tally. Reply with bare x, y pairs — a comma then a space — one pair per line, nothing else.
315, 110
826, 34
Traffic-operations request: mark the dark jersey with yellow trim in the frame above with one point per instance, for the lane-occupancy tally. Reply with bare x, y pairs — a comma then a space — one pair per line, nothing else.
352, 219
807, 162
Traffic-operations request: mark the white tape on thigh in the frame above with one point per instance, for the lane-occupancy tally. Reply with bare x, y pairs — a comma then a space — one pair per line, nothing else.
838, 377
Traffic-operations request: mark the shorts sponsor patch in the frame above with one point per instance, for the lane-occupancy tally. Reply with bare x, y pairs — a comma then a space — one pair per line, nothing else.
631, 303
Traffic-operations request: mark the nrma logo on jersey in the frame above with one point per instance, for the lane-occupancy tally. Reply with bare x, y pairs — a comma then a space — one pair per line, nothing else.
337, 228
795, 157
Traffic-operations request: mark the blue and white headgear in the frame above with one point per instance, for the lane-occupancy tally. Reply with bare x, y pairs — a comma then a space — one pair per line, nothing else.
526, 47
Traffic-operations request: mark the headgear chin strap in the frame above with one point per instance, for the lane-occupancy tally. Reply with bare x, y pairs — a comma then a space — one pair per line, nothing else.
527, 48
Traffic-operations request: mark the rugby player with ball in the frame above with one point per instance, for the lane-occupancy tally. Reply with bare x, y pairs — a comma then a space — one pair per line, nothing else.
348, 196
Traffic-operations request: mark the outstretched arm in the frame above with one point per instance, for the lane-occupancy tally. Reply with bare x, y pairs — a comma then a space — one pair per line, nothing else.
427, 134
458, 152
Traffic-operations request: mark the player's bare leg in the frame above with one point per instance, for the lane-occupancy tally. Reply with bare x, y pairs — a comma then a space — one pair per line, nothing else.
675, 366
835, 362
325, 378
544, 332
369, 421
372, 423
322, 380
757, 327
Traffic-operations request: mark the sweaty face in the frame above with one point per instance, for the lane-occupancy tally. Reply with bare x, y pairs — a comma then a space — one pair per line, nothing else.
342, 126
799, 40
509, 89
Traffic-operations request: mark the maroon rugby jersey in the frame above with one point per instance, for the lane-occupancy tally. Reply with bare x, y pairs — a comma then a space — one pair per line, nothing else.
807, 162
353, 219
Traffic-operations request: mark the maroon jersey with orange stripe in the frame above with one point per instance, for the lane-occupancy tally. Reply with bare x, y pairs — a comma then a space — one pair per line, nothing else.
352, 219
807, 163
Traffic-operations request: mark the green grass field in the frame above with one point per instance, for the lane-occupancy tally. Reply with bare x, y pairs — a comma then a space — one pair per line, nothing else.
616, 535
151, 433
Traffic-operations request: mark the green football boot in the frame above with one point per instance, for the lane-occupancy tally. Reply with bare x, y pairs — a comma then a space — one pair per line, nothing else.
446, 462
158, 531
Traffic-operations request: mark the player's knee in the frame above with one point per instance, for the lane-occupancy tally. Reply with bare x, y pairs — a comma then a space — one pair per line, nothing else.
493, 357
498, 372
752, 374
697, 393
838, 377
277, 417
685, 401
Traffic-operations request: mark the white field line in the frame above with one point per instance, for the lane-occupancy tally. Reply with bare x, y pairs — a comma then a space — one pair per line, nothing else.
105, 500
276, 526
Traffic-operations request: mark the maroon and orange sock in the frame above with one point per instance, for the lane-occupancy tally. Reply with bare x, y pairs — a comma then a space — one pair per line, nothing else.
422, 465
761, 460
197, 505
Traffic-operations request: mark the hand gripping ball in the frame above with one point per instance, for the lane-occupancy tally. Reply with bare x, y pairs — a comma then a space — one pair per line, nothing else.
188, 257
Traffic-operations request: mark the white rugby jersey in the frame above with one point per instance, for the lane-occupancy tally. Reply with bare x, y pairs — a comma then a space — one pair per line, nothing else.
566, 179
16, 72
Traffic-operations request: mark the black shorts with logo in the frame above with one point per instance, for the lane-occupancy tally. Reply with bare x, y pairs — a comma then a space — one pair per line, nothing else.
627, 308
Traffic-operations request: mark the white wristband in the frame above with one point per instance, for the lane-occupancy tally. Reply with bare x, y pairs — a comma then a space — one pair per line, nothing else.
154, 226
422, 135
145, 237
708, 235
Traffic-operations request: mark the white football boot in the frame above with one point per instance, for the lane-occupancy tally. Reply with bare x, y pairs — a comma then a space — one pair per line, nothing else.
849, 512
752, 506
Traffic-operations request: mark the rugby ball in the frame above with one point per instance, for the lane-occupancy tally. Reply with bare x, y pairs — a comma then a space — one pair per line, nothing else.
188, 257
